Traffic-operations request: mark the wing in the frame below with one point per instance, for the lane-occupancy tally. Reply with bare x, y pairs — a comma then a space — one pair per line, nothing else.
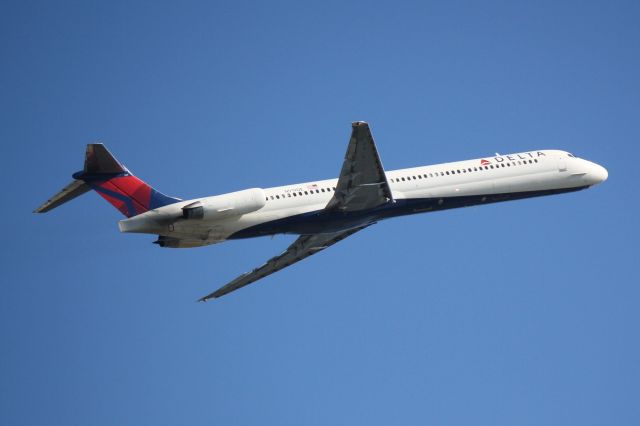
362, 183
303, 247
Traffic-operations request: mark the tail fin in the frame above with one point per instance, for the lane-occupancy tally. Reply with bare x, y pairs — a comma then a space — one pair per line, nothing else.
109, 178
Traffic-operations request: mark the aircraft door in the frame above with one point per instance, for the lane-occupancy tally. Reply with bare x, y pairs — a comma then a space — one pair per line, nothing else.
562, 165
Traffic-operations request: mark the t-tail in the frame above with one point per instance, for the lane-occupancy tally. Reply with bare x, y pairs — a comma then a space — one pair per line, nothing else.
113, 181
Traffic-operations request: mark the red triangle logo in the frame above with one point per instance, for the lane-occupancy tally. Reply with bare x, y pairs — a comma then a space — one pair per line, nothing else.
484, 162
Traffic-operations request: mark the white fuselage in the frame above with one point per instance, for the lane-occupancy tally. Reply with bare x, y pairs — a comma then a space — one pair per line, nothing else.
298, 208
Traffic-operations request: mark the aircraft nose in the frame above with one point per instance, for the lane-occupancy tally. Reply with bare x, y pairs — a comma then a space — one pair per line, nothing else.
597, 174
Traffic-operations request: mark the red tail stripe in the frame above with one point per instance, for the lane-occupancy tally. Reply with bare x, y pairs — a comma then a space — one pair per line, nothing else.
135, 189
118, 204
111, 186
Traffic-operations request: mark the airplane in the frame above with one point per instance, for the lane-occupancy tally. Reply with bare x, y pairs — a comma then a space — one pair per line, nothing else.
323, 212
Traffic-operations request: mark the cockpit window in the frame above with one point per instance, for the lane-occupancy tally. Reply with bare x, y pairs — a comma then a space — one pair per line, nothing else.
571, 155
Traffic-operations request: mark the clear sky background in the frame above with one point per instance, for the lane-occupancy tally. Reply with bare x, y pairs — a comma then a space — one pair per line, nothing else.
522, 313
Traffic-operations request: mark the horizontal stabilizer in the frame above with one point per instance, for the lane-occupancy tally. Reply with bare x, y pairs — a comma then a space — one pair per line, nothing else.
68, 193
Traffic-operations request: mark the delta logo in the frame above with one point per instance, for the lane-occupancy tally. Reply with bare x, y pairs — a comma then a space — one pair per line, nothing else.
513, 157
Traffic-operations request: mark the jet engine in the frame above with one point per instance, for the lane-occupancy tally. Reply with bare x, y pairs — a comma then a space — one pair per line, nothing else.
221, 206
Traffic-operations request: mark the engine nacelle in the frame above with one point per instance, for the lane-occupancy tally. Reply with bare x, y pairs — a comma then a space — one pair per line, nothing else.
221, 206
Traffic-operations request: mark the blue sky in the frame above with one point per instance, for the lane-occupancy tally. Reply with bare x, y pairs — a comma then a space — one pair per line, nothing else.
515, 313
